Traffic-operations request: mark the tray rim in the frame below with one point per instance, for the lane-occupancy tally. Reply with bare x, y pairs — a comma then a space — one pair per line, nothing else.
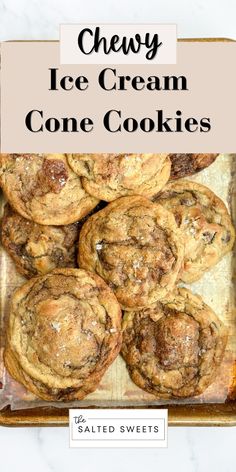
202, 415
197, 415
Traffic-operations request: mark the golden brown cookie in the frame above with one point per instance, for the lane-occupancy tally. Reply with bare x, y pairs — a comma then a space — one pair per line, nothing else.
43, 188
183, 165
174, 348
205, 223
38, 249
110, 176
63, 333
135, 246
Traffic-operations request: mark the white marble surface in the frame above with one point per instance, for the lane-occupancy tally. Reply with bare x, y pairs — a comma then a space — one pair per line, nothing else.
39, 19
47, 449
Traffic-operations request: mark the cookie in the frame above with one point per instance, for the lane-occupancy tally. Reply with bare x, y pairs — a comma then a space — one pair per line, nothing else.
43, 188
135, 246
64, 331
183, 165
205, 223
110, 176
174, 348
38, 249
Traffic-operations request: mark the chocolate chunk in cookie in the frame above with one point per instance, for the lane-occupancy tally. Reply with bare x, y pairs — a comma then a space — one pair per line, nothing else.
183, 165
174, 348
208, 233
136, 246
110, 176
64, 331
38, 249
43, 188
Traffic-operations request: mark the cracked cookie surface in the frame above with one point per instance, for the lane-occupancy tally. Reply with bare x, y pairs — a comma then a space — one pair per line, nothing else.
38, 249
43, 188
110, 176
173, 349
135, 246
183, 165
64, 331
203, 218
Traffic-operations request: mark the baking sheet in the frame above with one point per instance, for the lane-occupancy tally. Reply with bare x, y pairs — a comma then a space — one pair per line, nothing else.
217, 288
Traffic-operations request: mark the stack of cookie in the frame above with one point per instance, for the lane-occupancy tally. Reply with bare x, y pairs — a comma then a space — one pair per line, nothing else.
136, 234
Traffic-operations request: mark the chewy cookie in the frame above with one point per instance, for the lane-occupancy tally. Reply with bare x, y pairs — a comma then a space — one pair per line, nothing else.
63, 333
136, 247
43, 188
205, 223
174, 348
110, 176
38, 249
183, 165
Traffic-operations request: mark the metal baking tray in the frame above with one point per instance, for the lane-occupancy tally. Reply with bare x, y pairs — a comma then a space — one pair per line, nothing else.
217, 406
